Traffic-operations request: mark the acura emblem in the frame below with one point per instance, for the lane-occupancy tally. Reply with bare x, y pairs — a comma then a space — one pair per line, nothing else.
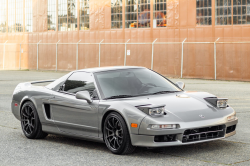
201, 116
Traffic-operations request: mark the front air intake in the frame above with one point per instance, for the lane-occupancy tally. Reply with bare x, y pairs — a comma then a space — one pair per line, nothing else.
205, 133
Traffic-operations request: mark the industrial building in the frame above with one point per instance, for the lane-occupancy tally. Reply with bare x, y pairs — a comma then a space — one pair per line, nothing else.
190, 38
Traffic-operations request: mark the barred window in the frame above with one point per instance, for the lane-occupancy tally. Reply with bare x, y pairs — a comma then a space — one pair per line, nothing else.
131, 14
143, 13
28, 16
84, 14
140, 8
67, 15
19, 16
160, 13
223, 12
11, 16
203, 12
51, 15
241, 11
116, 14
3, 19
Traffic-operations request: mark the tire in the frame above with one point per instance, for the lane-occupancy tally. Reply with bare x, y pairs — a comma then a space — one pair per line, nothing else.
31, 125
116, 135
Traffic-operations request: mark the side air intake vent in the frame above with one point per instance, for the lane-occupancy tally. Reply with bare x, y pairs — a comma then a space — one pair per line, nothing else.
47, 110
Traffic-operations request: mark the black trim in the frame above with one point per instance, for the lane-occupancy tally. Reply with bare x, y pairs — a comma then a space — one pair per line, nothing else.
47, 111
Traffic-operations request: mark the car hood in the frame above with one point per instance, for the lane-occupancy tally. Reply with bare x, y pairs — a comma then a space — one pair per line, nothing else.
185, 106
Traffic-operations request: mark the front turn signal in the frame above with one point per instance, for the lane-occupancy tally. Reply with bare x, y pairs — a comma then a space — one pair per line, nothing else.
134, 125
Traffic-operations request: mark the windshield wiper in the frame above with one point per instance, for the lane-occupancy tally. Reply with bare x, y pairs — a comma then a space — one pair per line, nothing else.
162, 92
118, 96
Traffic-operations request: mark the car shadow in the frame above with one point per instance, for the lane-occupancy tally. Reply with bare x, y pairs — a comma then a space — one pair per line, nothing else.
185, 150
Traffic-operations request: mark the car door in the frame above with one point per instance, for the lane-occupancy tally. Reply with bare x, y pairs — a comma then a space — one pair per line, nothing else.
75, 116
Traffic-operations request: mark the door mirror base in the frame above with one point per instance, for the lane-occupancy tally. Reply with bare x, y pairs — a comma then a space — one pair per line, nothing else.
84, 95
180, 84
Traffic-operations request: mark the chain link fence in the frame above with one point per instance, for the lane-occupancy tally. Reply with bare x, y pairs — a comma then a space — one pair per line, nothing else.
185, 58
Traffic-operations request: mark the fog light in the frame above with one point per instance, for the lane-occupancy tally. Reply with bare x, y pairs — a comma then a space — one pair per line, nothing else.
222, 103
165, 126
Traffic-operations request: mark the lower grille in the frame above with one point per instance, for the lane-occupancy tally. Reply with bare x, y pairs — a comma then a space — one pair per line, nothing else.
205, 133
165, 138
230, 129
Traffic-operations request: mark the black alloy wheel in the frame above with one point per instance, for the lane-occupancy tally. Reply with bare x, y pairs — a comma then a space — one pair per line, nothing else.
30, 122
116, 135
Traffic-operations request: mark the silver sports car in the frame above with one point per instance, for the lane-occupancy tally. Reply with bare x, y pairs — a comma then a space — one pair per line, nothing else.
124, 107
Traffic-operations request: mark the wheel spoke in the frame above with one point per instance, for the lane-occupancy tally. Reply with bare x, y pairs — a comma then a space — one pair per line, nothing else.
26, 128
116, 124
118, 143
109, 129
110, 124
24, 120
113, 121
109, 136
30, 128
25, 115
31, 125
119, 136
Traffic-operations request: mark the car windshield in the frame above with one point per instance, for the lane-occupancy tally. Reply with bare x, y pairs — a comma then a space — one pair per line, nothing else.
133, 82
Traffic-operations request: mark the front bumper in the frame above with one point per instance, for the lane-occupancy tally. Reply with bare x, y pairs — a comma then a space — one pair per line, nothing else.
149, 140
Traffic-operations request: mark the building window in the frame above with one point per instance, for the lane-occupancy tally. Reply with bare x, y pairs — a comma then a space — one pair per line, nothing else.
140, 7
143, 13
3, 22
240, 10
19, 16
223, 12
116, 14
11, 16
67, 15
160, 13
28, 16
84, 14
51, 15
203, 12
131, 14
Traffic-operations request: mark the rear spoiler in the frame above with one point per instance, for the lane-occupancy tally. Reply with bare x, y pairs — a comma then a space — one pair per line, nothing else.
41, 81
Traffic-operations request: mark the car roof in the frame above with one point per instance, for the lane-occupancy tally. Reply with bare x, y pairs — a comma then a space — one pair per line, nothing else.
100, 69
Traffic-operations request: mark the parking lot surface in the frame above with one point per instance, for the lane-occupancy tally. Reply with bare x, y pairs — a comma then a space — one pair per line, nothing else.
16, 149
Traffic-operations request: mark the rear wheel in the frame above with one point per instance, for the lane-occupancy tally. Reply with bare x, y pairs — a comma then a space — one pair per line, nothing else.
30, 122
116, 135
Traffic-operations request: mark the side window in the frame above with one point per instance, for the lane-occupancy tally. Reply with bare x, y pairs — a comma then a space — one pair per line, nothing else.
81, 81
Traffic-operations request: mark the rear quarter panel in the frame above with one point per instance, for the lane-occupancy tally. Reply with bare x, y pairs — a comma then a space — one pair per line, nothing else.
38, 95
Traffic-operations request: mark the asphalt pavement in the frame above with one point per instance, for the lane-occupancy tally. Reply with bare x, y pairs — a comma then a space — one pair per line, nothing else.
16, 149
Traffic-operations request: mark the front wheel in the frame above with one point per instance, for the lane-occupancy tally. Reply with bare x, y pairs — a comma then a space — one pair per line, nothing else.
30, 122
116, 135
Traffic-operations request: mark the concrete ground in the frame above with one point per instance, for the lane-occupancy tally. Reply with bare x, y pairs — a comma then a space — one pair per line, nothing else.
16, 149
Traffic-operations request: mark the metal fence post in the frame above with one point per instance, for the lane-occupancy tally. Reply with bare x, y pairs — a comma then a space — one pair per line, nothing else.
100, 53
37, 55
152, 60
215, 59
182, 52
125, 56
4, 52
20, 55
57, 53
77, 54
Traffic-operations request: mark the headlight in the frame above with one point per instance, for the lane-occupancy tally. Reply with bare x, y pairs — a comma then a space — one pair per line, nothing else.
156, 111
165, 126
222, 103
232, 117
